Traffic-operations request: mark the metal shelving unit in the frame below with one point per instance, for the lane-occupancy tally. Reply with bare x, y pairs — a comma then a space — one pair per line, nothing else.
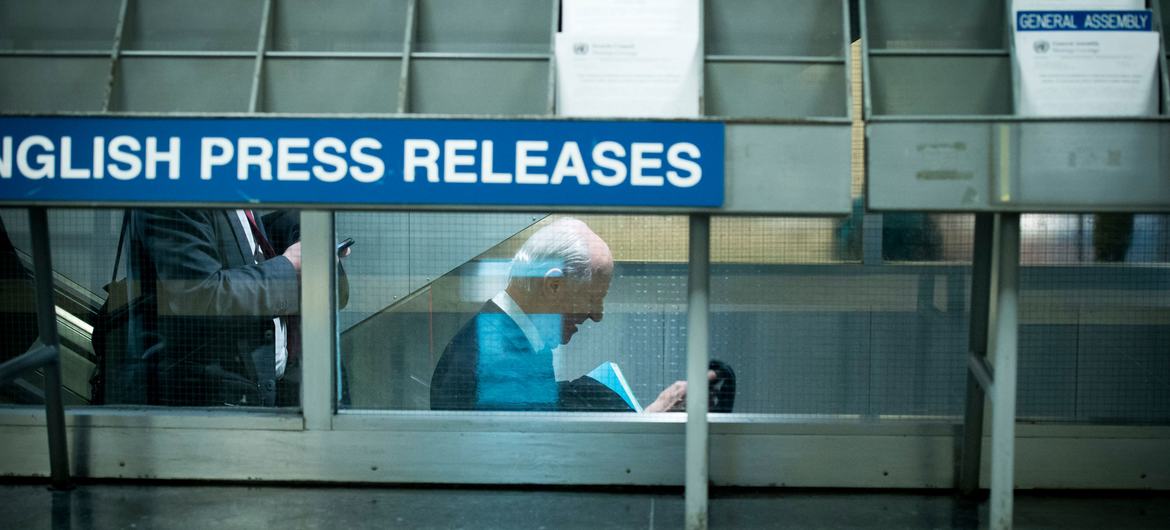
942, 136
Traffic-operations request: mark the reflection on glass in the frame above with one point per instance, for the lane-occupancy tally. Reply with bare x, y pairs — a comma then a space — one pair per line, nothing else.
18, 318
505, 312
502, 358
207, 314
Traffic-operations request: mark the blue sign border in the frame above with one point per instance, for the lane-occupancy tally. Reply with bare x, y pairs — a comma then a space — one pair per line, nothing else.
692, 145
1084, 20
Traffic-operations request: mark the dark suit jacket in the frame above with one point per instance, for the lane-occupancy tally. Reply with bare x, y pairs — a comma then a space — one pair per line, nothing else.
213, 307
283, 228
18, 314
490, 365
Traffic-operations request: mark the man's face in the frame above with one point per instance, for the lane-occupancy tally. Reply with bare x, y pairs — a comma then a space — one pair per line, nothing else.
583, 301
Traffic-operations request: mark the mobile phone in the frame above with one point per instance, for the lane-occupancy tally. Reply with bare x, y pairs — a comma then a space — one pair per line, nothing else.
344, 244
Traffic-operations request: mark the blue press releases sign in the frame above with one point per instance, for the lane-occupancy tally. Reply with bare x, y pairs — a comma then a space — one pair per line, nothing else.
361, 161
1141, 20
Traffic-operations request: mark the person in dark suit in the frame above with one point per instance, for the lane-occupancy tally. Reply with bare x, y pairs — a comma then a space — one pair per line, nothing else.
502, 358
18, 314
223, 296
283, 228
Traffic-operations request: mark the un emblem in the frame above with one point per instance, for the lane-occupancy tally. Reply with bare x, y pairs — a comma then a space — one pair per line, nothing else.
580, 48
1041, 46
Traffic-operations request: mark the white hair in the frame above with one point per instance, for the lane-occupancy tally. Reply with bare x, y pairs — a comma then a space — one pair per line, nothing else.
562, 244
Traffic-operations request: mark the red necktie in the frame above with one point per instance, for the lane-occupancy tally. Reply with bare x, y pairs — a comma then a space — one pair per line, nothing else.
261, 241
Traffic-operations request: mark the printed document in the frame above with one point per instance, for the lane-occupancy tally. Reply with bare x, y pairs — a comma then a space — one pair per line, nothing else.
628, 58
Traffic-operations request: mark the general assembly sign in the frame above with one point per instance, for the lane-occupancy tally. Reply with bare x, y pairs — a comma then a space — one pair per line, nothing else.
91, 160
1086, 63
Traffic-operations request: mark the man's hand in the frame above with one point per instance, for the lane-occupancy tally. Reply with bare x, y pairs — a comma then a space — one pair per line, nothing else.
674, 398
293, 253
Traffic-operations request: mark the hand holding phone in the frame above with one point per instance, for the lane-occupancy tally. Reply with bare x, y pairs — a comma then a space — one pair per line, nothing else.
343, 245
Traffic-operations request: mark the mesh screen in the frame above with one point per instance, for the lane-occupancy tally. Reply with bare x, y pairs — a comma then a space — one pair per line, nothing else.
1095, 324
219, 300
18, 319
808, 325
199, 312
888, 336
438, 343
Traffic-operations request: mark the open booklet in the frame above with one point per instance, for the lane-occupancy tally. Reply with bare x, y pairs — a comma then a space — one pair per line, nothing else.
610, 375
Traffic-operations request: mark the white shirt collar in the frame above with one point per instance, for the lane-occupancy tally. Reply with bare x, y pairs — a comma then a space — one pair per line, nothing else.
512, 309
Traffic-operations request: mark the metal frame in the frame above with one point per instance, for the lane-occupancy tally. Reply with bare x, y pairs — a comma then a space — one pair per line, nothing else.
995, 280
698, 344
1003, 386
1156, 7
323, 445
577, 449
1003, 147
979, 378
318, 319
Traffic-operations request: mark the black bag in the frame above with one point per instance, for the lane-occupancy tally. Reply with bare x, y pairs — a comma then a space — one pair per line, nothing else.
126, 350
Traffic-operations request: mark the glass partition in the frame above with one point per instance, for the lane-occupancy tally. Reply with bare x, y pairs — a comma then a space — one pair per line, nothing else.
18, 316
815, 331
454, 311
191, 308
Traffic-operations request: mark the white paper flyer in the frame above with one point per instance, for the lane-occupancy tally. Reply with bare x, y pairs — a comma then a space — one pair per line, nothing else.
628, 58
1085, 62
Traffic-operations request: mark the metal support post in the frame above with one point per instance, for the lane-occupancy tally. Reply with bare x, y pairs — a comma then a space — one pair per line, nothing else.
47, 325
697, 359
1003, 396
318, 334
972, 450
407, 51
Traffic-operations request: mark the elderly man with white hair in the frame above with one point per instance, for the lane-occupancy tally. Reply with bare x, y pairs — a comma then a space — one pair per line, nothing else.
502, 359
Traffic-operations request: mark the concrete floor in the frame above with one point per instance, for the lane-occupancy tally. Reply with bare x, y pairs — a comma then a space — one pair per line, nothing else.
127, 505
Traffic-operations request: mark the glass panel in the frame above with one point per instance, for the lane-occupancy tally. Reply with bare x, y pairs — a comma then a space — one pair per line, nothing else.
58, 24
775, 90
18, 318
813, 337
445, 86
774, 240
434, 344
205, 25
1093, 342
767, 27
1150, 239
522, 26
911, 236
1094, 238
1098, 332
176, 85
198, 312
349, 25
936, 24
209, 308
53, 84
1053, 240
311, 85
